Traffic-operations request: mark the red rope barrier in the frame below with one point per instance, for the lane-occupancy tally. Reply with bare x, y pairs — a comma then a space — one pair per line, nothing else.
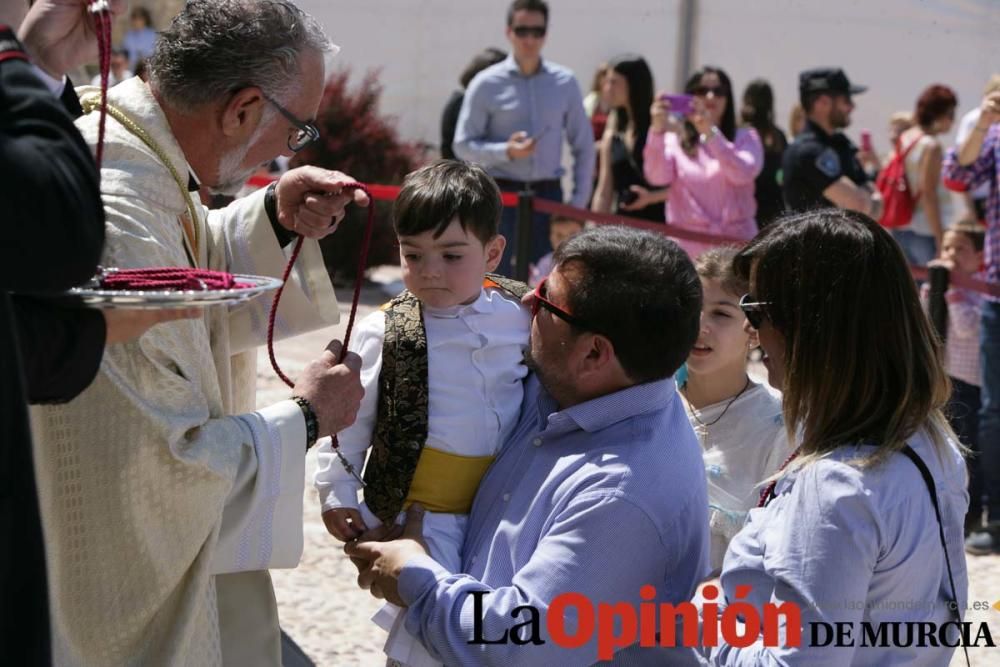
390, 192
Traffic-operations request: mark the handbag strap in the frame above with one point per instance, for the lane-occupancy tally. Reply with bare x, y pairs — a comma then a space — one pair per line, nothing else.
929, 481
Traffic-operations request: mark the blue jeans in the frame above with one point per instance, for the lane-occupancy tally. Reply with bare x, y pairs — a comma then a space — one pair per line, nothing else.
989, 413
918, 248
540, 245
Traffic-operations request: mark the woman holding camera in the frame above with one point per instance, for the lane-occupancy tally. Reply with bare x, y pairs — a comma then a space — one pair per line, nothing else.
621, 184
864, 522
709, 164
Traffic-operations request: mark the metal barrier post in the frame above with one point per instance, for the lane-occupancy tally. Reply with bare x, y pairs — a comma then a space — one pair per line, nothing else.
938, 278
525, 213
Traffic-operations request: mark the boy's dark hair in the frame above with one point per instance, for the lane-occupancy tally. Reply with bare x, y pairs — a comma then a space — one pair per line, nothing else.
434, 195
640, 290
527, 6
972, 230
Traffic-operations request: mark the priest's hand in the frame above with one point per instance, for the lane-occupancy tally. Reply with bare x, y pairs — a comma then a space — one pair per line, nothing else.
385, 560
311, 201
333, 390
59, 34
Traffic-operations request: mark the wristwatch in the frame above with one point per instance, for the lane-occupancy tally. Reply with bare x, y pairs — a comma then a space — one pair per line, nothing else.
312, 421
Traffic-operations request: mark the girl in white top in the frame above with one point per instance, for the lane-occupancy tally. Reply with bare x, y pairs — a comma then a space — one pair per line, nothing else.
446, 219
738, 421
849, 533
934, 115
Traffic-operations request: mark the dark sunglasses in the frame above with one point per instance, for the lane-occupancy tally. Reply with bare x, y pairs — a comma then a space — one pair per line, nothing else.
702, 91
306, 134
539, 300
755, 311
529, 30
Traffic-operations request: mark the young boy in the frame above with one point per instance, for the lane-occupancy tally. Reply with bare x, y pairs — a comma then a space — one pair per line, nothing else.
560, 229
442, 370
962, 253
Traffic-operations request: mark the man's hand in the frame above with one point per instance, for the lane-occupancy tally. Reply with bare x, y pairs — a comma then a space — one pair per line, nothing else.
59, 34
128, 325
386, 559
520, 145
333, 390
344, 523
642, 199
989, 110
311, 201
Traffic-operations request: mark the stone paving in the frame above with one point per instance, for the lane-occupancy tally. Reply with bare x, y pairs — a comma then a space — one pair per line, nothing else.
325, 612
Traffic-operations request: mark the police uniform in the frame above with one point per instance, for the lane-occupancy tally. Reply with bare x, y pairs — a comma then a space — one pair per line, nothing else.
816, 160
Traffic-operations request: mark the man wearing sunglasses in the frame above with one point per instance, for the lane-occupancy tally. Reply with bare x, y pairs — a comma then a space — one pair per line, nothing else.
599, 489
183, 494
513, 120
820, 168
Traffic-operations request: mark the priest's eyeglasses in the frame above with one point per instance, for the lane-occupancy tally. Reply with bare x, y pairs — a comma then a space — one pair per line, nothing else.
307, 132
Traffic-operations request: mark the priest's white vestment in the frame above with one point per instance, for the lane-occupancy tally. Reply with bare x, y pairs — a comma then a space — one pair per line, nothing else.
165, 496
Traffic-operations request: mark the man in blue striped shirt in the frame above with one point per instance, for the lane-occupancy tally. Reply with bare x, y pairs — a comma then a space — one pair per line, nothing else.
513, 120
600, 489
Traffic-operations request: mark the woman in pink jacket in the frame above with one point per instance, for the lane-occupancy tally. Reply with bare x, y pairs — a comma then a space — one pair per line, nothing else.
709, 164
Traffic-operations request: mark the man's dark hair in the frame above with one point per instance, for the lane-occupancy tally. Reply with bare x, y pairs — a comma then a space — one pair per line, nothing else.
527, 6
808, 100
432, 196
479, 62
640, 290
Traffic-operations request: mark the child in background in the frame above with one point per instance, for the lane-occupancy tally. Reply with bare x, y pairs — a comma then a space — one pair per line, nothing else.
738, 421
442, 370
560, 229
962, 253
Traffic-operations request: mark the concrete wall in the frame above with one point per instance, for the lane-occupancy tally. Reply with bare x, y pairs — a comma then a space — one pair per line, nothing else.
897, 47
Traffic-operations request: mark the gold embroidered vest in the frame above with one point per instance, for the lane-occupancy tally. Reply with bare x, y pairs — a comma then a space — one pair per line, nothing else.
401, 417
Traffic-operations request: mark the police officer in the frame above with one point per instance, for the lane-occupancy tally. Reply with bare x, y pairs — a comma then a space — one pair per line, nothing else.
821, 168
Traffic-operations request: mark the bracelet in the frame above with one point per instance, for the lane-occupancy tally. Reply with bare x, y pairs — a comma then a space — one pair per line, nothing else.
312, 421
271, 202
705, 136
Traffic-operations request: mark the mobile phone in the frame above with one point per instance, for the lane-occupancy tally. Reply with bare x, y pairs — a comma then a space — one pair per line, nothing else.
680, 104
541, 134
866, 140
626, 197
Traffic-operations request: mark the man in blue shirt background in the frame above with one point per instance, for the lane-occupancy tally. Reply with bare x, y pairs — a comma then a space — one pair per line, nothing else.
513, 120
599, 490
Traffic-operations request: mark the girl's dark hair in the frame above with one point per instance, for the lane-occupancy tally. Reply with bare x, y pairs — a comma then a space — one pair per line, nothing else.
432, 196
717, 264
636, 71
728, 125
936, 101
758, 112
861, 362
479, 62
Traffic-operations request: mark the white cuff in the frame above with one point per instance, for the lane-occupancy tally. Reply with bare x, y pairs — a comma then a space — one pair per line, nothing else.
340, 494
57, 86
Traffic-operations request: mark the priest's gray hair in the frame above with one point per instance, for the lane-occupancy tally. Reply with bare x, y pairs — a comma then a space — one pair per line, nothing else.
215, 48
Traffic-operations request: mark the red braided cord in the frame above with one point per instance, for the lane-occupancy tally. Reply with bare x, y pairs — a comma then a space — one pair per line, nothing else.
765, 495
102, 28
359, 279
170, 278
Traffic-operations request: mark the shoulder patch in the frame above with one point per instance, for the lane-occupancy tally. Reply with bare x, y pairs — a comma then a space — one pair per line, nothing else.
828, 163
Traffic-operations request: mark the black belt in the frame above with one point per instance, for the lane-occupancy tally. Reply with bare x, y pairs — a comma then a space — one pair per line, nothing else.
507, 185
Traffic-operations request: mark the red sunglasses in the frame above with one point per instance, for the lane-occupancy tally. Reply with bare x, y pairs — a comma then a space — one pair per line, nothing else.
539, 300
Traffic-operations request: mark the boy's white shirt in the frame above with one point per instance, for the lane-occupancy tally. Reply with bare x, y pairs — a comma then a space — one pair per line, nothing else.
474, 361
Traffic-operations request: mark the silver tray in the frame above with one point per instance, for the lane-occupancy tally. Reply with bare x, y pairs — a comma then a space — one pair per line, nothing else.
95, 297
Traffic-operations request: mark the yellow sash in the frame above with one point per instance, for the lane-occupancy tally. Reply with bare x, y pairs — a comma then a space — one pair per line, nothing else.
446, 482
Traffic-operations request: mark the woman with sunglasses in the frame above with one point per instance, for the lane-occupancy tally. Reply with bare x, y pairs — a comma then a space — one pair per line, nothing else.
864, 522
709, 164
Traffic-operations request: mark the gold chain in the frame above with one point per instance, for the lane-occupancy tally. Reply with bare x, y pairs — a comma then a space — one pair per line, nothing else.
91, 103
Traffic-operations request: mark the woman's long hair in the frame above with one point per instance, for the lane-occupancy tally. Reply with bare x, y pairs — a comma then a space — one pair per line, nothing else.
862, 364
637, 74
758, 112
728, 124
